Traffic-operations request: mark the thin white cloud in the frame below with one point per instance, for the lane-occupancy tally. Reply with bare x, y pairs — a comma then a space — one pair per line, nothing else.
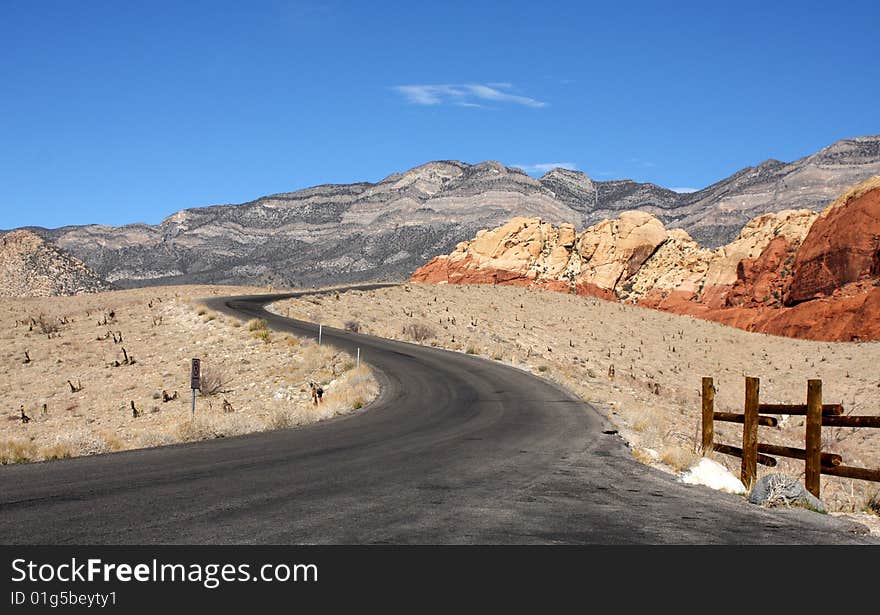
683, 189
465, 94
543, 167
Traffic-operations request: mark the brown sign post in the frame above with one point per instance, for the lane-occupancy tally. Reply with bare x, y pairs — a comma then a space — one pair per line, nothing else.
195, 378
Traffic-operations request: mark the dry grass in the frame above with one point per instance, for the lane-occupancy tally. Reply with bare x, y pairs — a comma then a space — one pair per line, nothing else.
257, 324
658, 360
163, 328
678, 456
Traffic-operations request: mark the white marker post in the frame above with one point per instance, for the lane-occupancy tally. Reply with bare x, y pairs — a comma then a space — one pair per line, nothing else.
320, 332
195, 377
358, 368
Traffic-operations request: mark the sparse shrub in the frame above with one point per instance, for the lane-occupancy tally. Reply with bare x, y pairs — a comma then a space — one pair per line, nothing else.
263, 334
48, 326
202, 312
258, 324
353, 326
17, 451
419, 331
236, 323
542, 368
873, 504
281, 419
60, 450
358, 404
471, 350
213, 382
677, 457
644, 455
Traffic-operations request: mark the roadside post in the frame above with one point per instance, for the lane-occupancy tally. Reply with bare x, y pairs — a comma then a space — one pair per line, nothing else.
358, 367
195, 381
320, 332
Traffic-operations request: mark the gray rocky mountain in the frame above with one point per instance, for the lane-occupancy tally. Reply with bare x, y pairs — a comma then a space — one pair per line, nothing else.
383, 231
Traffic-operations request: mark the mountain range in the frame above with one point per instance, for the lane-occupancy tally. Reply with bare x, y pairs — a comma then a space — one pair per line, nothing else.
342, 233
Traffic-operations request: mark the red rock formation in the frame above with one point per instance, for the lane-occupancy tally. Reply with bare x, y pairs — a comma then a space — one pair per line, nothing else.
843, 246
763, 280
789, 273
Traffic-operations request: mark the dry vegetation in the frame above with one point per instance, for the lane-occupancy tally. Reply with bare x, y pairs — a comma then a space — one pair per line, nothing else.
641, 367
110, 371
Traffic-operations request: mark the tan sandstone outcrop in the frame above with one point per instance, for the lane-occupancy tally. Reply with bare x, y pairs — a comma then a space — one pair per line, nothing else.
793, 272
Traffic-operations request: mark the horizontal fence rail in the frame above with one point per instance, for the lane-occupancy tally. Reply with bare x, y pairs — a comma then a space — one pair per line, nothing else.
753, 452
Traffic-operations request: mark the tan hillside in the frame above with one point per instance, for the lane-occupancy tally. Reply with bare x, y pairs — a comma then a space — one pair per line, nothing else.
31, 267
64, 362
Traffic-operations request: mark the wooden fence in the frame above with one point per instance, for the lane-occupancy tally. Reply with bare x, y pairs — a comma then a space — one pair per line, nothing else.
753, 452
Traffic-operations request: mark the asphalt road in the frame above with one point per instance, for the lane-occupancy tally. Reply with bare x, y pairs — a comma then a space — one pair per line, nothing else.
457, 449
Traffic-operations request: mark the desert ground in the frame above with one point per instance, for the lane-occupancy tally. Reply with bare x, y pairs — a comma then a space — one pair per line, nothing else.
640, 367
76, 364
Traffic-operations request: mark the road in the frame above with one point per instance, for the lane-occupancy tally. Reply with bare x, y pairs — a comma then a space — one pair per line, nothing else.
456, 449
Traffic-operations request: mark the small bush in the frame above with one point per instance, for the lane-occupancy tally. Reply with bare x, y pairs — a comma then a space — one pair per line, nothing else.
873, 504
644, 455
282, 419
17, 451
542, 368
419, 331
471, 350
352, 325
61, 450
358, 404
202, 312
213, 382
263, 334
678, 457
258, 324
48, 326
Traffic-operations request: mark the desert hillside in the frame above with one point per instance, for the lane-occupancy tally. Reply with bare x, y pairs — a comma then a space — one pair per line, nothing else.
75, 365
793, 273
32, 267
641, 367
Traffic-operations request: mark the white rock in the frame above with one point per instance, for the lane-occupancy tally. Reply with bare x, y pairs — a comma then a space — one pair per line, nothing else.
713, 475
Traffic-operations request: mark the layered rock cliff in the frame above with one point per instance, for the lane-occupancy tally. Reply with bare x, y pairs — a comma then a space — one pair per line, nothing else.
792, 272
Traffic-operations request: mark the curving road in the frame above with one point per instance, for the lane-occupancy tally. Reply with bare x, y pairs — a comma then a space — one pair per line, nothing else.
457, 449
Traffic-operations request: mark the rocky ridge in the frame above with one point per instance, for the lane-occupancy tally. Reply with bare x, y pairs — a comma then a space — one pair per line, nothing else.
364, 231
31, 267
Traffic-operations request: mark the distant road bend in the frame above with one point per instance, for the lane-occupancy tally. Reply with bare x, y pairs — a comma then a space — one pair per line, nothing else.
457, 449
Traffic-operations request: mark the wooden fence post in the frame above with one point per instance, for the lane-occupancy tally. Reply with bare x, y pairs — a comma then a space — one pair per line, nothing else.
750, 433
813, 461
708, 412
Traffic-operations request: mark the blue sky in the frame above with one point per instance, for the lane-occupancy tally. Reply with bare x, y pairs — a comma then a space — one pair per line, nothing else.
117, 112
